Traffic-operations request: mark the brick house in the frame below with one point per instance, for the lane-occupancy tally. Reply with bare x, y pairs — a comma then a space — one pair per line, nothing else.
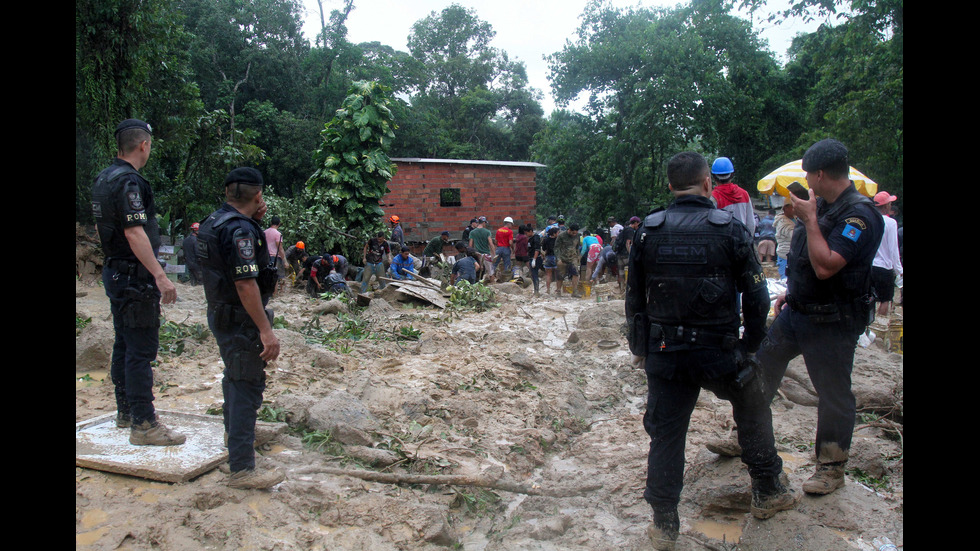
435, 195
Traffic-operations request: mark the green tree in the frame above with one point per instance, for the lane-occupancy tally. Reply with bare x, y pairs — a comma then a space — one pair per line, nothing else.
130, 62
195, 185
353, 169
327, 62
751, 112
645, 73
850, 79
248, 50
287, 141
471, 101
567, 146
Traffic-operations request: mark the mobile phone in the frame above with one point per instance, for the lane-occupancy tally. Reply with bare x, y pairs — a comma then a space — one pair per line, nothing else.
798, 190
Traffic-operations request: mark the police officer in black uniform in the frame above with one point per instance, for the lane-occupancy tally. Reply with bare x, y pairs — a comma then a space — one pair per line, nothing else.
239, 279
134, 281
688, 263
828, 302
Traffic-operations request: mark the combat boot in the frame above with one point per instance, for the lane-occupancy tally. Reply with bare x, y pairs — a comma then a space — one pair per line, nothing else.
827, 478
770, 496
664, 529
254, 479
154, 434
123, 420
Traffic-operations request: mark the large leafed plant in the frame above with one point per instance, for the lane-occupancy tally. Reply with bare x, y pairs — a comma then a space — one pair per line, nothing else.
353, 167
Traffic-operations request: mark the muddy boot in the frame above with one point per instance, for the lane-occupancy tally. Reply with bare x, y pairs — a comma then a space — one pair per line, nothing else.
769, 496
123, 420
664, 529
728, 447
256, 479
827, 478
154, 434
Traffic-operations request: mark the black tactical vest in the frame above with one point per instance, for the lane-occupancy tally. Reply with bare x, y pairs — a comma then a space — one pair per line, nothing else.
219, 286
108, 191
687, 256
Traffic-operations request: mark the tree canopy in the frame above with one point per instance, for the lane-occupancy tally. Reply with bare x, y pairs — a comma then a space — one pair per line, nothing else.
659, 81
227, 83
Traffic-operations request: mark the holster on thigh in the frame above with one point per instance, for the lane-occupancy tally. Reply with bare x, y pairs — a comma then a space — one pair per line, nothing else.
243, 362
141, 307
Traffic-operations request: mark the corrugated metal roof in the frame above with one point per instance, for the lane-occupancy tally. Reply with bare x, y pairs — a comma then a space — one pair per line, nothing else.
468, 162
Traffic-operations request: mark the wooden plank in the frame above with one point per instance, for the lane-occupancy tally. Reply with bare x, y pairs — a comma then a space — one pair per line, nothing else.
420, 289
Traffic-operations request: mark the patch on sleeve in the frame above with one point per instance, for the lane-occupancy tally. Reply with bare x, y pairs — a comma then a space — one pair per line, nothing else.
246, 250
851, 232
135, 200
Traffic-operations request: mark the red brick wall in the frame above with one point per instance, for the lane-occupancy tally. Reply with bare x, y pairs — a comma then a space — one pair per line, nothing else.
494, 191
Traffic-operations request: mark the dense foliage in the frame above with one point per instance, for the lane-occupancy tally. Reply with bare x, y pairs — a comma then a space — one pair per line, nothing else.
353, 169
227, 83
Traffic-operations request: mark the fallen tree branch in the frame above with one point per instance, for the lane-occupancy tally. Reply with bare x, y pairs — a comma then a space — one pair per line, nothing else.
452, 480
887, 425
345, 234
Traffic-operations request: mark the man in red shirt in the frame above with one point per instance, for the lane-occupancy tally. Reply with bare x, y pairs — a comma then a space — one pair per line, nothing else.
728, 196
505, 246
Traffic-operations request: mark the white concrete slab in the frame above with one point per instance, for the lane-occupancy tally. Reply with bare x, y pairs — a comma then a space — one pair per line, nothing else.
100, 445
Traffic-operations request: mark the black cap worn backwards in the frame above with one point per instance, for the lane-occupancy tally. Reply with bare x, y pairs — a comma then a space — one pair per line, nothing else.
244, 175
133, 123
828, 153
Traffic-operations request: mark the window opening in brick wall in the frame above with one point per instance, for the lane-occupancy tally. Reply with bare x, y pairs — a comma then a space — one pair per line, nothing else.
450, 197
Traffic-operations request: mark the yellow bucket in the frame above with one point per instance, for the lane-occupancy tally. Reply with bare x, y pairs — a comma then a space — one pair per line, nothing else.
890, 332
893, 338
586, 288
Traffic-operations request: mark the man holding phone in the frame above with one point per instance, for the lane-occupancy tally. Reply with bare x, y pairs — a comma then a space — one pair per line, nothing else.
828, 303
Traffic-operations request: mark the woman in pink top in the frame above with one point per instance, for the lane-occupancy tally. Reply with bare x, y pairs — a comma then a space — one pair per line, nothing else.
273, 239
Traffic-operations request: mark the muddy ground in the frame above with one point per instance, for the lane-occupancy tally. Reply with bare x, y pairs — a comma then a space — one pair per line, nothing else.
537, 392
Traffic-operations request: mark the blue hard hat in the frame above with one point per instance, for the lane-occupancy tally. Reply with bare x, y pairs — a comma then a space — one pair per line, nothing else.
722, 165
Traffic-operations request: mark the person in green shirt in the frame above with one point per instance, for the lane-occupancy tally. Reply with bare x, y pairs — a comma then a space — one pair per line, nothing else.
435, 246
482, 242
567, 251
433, 253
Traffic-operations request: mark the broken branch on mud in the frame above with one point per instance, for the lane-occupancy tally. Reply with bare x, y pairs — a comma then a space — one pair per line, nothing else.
452, 480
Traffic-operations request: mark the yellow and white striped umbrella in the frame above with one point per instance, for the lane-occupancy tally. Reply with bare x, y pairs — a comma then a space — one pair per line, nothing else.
777, 180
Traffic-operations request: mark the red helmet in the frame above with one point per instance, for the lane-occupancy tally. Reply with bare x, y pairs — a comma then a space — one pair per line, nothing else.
195, 226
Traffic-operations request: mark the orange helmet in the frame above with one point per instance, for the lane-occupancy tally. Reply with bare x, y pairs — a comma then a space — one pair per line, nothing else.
335, 259
394, 219
300, 245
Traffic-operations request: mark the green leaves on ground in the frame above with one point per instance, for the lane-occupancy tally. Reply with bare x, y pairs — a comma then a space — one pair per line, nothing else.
475, 297
174, 336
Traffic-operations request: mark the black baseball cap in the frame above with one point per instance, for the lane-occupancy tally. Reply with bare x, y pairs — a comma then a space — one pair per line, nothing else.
133, 123
245, 175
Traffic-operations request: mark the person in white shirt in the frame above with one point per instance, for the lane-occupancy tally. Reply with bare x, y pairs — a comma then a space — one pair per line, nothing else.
887, 264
